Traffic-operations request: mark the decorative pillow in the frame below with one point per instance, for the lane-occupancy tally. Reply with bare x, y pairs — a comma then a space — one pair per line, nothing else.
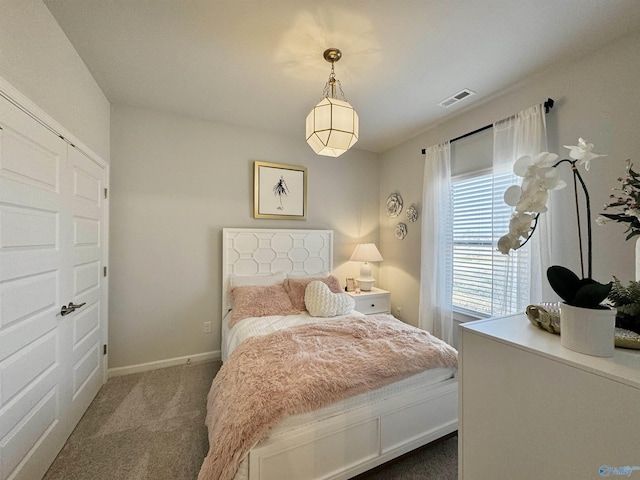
322, 302
259, 301
258, 280
296, 287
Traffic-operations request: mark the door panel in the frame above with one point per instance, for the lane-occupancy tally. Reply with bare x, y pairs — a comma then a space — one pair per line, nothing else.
17, 410
31, 157
86, 277
36, 428
86, 322
25, 227
21, 298
86, 232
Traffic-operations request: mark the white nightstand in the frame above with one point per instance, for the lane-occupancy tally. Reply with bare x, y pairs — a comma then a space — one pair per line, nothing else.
374, 301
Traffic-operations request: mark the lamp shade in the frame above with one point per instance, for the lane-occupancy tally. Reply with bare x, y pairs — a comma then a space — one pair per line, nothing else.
366, 252
332, 127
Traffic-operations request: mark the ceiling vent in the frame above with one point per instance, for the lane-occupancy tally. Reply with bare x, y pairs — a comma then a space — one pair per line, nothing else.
461, 95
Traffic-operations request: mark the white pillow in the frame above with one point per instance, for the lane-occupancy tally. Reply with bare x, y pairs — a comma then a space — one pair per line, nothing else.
324, 274
257, 280
322, 302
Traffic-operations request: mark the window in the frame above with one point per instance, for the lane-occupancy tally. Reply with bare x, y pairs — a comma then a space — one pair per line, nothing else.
485, 282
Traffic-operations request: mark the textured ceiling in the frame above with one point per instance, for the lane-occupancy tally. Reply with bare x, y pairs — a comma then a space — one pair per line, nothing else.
258, 63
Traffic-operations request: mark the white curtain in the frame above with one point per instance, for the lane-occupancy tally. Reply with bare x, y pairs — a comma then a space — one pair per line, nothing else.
436, 272
524, 134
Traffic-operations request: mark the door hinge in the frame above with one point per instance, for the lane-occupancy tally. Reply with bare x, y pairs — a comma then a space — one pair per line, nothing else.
104, 349
104, 272
106, 193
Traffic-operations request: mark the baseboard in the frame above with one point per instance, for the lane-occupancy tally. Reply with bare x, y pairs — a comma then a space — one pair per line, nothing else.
169, 362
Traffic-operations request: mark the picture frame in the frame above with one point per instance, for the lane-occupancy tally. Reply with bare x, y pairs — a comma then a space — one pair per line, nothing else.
351, 284
280, 191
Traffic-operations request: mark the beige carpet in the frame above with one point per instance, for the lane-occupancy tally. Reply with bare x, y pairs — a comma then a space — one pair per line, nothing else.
150, 426
438, 460
145, 426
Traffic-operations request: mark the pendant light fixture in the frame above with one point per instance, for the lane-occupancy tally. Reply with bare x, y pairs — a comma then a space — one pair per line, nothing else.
332, 125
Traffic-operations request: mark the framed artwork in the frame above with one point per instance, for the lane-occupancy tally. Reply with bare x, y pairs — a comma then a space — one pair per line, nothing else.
351, 284
279, 191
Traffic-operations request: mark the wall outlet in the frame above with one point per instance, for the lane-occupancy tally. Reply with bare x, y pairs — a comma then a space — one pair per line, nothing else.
398, 313
206, 327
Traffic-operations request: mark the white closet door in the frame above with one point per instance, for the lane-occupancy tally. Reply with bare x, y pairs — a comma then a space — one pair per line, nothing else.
86, 205
47, 259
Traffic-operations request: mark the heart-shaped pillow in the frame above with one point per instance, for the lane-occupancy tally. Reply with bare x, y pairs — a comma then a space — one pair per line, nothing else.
322, 302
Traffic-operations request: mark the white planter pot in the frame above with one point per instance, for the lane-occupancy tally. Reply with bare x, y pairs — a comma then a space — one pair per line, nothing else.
588, 330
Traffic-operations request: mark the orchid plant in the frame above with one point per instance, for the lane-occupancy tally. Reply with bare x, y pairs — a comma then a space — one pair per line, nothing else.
539, 176
624, 207
625, 203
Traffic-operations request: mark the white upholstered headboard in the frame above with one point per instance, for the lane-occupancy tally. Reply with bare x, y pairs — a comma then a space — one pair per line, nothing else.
261, 251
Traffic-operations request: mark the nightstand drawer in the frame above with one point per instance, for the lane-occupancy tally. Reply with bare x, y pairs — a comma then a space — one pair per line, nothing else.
373, 301
368, 305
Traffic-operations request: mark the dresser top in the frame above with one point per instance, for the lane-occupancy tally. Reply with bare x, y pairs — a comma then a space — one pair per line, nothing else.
517, 331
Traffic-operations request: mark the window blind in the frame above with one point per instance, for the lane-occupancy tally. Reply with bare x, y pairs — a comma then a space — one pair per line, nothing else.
484, 280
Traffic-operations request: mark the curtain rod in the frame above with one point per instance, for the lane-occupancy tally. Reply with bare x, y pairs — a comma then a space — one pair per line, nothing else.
548, 105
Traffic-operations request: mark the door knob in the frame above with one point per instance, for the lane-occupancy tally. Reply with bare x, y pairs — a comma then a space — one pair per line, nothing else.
71, 308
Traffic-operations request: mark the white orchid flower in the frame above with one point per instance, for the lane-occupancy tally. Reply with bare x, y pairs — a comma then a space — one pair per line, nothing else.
632, 212
526, 164
543, 178
539, 176
512, 195
508, 242
520, 224
533, 201
602, 220
582, 152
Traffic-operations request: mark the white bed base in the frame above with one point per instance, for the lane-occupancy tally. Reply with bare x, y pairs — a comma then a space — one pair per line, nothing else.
354, 441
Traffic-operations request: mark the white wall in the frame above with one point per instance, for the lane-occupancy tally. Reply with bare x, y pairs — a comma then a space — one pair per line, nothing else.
37, 59
598, 98
175, 183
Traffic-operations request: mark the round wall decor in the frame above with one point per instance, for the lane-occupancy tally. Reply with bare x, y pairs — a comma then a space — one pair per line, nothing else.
400, 231
412, 214
394, 205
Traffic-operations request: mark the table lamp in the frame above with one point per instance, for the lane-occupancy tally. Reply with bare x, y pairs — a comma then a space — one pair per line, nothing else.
366, 252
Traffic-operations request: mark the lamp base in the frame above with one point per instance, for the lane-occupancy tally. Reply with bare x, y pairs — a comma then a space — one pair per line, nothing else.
365, 285
365, 280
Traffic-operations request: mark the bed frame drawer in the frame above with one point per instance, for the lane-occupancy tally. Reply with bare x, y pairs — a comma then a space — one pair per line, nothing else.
355, 441
409, 423
326, 456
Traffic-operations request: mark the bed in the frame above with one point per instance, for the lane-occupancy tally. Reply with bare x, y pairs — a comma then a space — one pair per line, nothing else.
348, 435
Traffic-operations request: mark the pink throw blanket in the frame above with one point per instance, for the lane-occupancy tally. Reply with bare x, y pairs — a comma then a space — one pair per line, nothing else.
304, 368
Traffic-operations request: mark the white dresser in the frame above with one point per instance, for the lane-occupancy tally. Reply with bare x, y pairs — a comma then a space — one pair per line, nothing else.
532, 409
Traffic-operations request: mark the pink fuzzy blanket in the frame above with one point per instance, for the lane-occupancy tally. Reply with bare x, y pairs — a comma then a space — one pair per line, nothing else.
304, 368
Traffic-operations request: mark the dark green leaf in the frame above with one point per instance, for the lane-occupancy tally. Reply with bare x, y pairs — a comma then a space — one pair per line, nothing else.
591, 294
633, 234
564, 282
